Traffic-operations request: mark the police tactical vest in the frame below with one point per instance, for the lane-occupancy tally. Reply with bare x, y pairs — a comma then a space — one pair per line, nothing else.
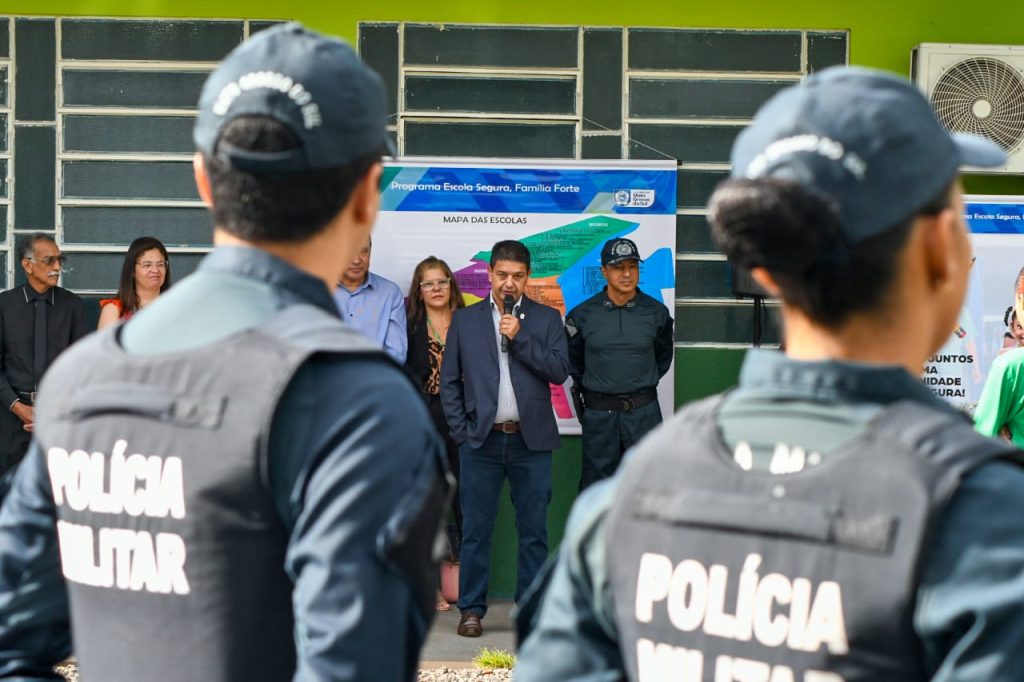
170, 542
721, 574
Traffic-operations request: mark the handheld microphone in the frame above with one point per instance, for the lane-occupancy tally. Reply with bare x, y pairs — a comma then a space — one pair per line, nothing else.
509, 305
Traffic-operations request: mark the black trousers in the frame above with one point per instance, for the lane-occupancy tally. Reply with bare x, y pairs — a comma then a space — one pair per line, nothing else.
14, 440
607, 435
452, 451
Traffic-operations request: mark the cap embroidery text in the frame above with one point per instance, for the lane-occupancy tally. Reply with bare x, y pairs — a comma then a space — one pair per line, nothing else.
270, 80
823, 146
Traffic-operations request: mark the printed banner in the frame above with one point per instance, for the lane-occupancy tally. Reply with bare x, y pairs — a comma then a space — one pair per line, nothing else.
456, 209
957, 372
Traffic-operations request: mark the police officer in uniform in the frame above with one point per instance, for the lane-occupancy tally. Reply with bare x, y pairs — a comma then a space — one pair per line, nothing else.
829, 519
620, 345
220, 474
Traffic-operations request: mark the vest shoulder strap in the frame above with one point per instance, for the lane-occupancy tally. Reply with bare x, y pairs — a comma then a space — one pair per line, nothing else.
311, 329
944, 439
700, 410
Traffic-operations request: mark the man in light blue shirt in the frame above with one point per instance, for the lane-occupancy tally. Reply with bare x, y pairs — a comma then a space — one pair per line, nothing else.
373, 305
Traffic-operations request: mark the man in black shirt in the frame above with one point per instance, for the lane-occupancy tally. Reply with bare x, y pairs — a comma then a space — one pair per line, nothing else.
38, 320
620, 345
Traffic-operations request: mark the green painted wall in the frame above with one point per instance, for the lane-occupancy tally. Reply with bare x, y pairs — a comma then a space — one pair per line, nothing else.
881, 35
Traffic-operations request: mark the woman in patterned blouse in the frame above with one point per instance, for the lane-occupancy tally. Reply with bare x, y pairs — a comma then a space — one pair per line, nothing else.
433, 297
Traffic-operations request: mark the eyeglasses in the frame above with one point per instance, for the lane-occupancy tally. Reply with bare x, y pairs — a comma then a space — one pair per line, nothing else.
153, 265
437, 284
49, 260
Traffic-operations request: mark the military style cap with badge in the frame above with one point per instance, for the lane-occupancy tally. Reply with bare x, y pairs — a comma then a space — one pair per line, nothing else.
864, 139
316, 85
617, 250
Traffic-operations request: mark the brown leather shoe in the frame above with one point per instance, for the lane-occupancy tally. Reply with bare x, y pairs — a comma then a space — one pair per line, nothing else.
470, 626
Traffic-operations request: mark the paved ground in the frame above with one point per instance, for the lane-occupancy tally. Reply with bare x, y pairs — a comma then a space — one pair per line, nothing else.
444, 648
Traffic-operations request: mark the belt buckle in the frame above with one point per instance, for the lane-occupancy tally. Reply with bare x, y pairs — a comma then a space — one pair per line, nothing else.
32, 397
627, 404
507, 427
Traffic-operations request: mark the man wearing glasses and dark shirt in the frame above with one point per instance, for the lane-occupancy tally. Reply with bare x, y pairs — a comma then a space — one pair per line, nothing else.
38, 320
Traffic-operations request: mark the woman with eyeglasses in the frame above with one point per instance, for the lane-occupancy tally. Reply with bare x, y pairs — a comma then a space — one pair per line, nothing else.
433, 296
145, 274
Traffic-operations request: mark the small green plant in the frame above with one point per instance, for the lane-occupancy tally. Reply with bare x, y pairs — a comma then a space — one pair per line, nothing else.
494, 658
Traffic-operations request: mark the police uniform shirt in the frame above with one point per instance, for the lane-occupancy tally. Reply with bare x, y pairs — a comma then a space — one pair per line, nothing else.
619, 349
65, 324
332, 489
967, 616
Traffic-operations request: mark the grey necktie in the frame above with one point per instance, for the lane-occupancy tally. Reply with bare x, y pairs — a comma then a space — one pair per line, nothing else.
39, 354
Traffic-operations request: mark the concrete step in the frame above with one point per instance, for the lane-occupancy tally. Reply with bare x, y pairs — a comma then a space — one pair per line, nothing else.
444, 647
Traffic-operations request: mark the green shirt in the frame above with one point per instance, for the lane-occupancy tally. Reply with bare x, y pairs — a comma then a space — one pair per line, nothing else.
1002, 399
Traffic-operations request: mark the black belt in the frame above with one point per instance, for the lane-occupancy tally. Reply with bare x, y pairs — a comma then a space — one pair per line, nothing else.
506, 427
623, 402
27, 397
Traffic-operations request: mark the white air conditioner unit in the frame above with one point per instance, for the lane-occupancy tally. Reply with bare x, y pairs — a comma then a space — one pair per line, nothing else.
976, 89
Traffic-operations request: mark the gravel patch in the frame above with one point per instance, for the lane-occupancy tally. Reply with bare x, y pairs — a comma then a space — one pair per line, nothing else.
463, 674
70, 673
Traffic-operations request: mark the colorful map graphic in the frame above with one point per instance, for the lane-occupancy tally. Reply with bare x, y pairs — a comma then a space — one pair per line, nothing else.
566, 270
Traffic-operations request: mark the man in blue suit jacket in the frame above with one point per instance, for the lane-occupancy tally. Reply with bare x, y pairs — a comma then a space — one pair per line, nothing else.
497, 399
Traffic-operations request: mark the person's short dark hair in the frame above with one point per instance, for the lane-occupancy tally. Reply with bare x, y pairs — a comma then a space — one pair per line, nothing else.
795, 235
280, 207
27, 247
512, 250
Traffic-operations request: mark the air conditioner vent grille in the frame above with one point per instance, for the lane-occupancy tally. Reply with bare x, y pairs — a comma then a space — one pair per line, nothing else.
984, 96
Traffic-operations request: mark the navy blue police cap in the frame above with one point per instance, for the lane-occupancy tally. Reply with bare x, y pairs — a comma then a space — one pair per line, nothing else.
617, 250
314, 84
866, 140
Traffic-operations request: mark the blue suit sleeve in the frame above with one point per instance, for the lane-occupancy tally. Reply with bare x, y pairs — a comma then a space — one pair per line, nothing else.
452, 389
575, 347
574, 637
969, 617
348, 443
542, 349
35, 628
396, 339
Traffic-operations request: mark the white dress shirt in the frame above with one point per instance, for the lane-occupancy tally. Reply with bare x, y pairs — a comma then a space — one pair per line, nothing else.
508, 411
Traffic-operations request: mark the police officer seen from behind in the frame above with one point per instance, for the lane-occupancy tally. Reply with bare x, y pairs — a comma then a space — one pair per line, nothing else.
221, 474
830, 519
620, 345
